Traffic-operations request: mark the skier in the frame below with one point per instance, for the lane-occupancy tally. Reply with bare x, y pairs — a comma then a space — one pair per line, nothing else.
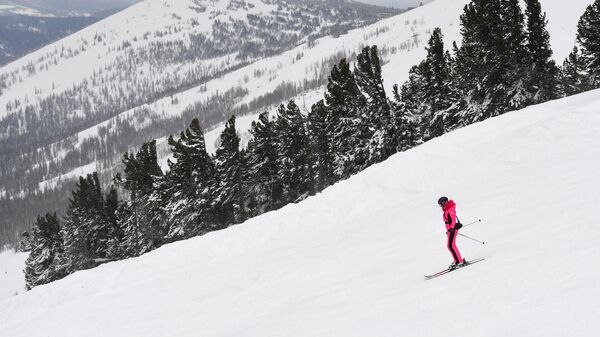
449, 210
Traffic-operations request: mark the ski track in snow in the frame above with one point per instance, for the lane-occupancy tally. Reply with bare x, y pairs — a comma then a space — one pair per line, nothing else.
350, 261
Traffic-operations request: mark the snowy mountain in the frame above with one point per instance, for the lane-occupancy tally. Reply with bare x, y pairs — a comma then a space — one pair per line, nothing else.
14, 8
21, 34
350, 261
109, 78
28, 25
60, 8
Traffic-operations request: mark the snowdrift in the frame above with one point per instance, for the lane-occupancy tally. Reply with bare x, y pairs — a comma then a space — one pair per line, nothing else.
350, 261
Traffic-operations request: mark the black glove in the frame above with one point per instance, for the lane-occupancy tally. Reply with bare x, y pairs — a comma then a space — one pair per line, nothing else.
451, 230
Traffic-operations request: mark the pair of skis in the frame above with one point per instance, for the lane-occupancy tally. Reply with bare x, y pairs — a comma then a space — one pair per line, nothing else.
446, 271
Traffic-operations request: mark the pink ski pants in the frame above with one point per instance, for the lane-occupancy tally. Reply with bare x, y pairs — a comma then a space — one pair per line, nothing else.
452, 246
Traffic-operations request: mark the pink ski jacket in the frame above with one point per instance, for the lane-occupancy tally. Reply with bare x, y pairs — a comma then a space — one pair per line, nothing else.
450, 214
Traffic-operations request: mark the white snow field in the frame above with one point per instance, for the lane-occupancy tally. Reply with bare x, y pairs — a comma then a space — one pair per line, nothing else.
12, 279
350, 261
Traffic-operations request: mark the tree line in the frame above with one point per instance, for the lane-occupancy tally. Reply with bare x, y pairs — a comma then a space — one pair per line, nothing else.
504, 63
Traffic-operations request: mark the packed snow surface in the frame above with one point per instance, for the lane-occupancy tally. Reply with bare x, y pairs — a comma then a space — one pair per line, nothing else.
350, 261
12, 279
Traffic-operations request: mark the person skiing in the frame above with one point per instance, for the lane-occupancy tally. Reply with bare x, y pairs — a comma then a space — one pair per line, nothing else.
452, 226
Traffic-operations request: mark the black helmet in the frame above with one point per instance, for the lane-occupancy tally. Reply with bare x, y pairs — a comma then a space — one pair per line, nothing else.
442, 201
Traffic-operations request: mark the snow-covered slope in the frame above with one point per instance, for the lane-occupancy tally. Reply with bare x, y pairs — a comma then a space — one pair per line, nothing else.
350, 261
12, 279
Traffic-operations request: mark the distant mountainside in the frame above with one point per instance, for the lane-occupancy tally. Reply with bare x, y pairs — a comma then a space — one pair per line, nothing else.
60, 8
13, 8
20, 34
27, 25
147, 53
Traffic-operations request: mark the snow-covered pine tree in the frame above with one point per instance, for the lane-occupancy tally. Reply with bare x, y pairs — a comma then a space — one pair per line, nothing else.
470, 58
345, 103
188, 188
513, 58
141, 170
115, 249
439, 120
293, 150
320, 144
588, 38
411, 103
542, 79
437, 86
452, 115
573, 75
264, 178
25, 241
141, 221
47, 244
490, 60
376, 124
86, 231
407, 129
230, 203
426, 95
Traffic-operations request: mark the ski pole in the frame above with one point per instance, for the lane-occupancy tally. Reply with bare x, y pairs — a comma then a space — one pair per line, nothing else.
468, 237
471, 223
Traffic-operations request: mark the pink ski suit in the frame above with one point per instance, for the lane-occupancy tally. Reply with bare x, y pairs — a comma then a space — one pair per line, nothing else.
451, 232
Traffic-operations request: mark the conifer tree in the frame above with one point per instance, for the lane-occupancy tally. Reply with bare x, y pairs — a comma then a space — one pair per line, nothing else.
293, 155
407, 134
411, 99
140, 226
321, 138
472, 57
437, 86
41, 266
542, 82
573, 78
437, 91
265, 180
509, 91
588, 37
25, 241
427, 94
141, 170
376, 128
115, 246
345, 103
231, 165
188, 188
86, 231
491, 59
